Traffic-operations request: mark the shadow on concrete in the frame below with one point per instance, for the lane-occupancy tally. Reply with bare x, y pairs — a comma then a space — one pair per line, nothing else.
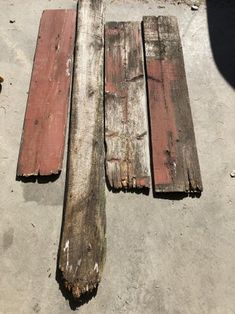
39, 179
176, 196
221, 25
44, 190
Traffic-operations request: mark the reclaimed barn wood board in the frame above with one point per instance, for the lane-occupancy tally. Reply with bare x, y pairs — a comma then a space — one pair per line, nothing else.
126, 129
43, 136
174, 154
83, 241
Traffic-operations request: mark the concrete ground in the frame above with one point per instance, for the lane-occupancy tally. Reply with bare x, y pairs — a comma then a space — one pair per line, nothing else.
164, 256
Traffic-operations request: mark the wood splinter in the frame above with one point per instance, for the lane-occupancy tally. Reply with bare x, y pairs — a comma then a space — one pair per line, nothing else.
83, 241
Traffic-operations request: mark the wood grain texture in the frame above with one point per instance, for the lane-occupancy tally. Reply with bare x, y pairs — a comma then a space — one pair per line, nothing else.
43, 137
83, 242
126, 130
174, 154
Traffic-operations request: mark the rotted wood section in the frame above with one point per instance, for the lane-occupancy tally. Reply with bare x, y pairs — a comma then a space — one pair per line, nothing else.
83, 241
126, 130
174, 154
43, 137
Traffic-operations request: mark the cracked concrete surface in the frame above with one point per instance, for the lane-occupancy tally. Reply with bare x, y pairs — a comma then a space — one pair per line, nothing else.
163, 256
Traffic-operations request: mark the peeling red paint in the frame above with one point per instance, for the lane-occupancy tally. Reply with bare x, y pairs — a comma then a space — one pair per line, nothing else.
162, 118
174, 155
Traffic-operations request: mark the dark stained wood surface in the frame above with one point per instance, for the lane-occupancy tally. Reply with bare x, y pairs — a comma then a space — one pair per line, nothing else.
83, 242
174, 154
43, 137
126, 130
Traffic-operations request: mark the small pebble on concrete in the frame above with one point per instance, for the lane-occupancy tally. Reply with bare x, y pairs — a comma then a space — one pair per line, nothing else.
232, 174
194, 7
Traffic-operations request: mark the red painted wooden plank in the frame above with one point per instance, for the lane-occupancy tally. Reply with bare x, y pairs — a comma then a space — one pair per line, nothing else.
43, 137
174, 154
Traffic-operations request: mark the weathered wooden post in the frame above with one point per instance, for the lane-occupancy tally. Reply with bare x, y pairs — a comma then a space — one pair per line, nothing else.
83, 242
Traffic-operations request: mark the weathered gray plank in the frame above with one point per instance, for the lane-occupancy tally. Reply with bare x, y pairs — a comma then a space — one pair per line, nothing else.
126, 131
174, 154
83, 242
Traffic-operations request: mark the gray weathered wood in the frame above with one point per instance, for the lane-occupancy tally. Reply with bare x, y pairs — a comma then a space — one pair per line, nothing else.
83, 242
174, 153
126, 130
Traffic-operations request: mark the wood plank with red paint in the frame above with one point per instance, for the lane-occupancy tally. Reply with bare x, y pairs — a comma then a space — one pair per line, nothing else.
126, 130
43, 136
174, 153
